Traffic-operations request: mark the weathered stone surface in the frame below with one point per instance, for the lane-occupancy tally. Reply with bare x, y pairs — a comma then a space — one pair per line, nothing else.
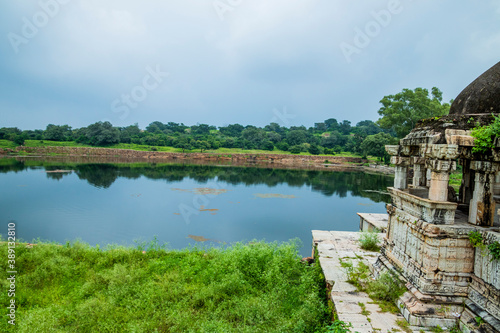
481, 96
459, 137
337, 246
435, 212
370, 222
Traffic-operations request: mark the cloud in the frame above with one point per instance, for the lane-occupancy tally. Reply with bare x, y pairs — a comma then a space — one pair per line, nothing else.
263, 55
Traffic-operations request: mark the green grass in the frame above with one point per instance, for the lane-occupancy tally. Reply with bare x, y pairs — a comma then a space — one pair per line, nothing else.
42, 143
258, 287
7, 144
456, 180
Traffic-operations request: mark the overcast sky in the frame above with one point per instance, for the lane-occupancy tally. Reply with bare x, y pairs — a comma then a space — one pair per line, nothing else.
294, 62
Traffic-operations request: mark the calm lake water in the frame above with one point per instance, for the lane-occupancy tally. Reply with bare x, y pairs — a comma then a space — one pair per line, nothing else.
182, 205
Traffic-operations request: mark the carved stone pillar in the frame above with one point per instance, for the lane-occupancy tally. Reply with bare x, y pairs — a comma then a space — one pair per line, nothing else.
440, 176
401, 172
482, 205
428, 177
419, 172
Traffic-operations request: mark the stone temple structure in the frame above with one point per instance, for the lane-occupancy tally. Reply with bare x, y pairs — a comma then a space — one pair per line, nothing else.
449, 281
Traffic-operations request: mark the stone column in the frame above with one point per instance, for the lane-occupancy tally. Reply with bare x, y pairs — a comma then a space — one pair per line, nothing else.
428, 177
440, 176
401, 172
419, 172
482, 205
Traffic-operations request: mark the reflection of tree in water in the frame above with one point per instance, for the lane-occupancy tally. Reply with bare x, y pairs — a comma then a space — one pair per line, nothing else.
98, 175
326, 182
11, 165
56, 175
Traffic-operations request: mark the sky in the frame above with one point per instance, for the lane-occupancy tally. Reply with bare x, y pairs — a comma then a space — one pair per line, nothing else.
220, 62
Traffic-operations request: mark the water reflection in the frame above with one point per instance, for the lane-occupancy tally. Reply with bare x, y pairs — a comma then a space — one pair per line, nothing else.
103, 175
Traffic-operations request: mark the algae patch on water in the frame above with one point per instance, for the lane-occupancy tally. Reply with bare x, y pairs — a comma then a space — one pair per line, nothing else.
203, 239
202, 190
198, 238
203, 209
274, 195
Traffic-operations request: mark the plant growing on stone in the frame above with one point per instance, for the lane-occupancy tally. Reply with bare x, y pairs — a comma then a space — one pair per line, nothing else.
484, 136
494, 250
476, 239
338, 326
369, 241
387, 287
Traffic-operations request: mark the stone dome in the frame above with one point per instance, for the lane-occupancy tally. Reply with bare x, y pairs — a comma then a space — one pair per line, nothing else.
481, 96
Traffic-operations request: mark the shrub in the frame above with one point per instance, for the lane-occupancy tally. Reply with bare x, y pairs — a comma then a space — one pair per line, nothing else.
338, 326
484, 136
295, 149
369, 241
386, 288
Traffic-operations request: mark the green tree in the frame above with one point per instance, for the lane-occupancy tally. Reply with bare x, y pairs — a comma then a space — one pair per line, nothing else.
375, 145
19, 140
183, 143
57, 133
267, 145
202, 145
332, 124
402, 111
99, 134
345, 127
296, 137
295, 149
232, 130
129, 132
315, 150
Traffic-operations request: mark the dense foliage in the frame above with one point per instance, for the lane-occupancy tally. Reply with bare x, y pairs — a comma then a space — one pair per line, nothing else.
402, 111
484, 136
328, 137
259, 287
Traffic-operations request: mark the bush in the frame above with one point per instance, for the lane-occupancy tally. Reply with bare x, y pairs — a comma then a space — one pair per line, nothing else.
315, 150
369, 241
386, 288
484, 136
295, 149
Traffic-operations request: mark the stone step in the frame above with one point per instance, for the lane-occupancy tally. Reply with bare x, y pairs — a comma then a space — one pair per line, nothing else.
334, 246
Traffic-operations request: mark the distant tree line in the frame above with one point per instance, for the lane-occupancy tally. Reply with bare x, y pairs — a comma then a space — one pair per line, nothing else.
399, 113
328, 137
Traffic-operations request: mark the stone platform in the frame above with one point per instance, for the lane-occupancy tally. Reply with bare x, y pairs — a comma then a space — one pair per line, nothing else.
373, 222
334, 246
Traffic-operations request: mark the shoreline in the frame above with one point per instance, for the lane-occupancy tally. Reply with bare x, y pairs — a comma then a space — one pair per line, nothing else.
281, 161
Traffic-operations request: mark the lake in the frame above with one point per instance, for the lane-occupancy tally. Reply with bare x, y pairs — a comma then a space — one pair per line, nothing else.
180, 204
